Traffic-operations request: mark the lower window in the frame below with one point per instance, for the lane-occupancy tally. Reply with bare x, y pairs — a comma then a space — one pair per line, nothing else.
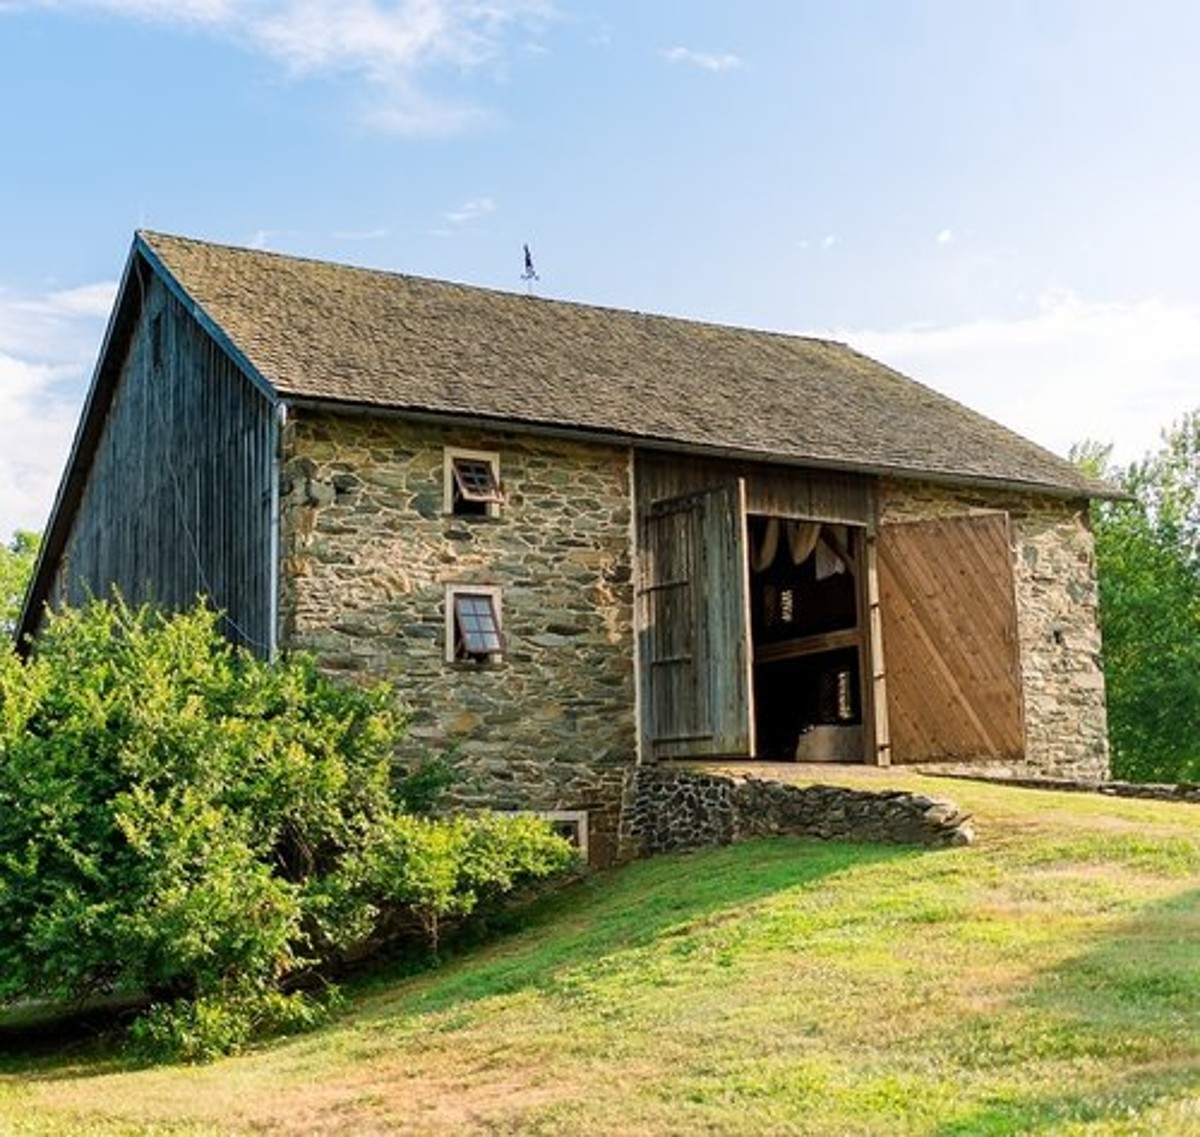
473, 629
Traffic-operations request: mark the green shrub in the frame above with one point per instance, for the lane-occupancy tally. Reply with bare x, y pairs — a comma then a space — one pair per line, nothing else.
204, 1028
180, 819
446, 868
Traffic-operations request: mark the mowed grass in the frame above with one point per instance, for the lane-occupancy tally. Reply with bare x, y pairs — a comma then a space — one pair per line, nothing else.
1044, 980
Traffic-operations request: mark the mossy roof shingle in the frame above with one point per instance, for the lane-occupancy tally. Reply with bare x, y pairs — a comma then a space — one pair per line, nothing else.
328, 332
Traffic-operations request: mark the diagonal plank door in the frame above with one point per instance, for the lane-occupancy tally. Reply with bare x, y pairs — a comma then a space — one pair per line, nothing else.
950, 640
696, 678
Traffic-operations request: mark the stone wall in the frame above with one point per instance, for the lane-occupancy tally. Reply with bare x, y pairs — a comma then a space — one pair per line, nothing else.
671, 808
1152, 791
1057, 614
368, 551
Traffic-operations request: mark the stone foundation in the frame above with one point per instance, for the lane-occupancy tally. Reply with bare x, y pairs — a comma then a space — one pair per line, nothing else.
369, 549
670, 809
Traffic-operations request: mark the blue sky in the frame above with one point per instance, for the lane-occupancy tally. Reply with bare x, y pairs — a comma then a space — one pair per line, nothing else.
998, 198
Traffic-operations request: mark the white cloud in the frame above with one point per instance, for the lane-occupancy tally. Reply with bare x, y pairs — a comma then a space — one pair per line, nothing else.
1113, 372
36, 426
702, 59
47, 347
57, 326
387, 45
360, 234
829, 240
471, 210
944, 237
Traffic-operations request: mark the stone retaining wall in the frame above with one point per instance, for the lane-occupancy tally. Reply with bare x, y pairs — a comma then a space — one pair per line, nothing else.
1155, 791
669, 809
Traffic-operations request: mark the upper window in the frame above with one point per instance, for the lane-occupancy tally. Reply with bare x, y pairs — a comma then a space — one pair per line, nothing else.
473, 631
473, 483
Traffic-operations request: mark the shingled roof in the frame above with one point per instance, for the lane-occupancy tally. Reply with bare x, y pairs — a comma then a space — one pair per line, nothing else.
329, 333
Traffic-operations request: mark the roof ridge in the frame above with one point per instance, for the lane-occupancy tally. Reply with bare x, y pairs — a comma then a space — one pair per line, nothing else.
150, 236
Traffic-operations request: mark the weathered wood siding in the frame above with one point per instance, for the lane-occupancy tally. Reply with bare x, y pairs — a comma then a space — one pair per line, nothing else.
950, 640
775, 491
693, 629
178, 502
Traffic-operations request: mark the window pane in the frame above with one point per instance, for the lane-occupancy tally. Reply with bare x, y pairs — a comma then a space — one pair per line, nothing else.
477, 623
475, 479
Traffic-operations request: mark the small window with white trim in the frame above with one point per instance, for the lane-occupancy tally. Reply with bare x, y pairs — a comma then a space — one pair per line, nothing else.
473, 630
472, 480
570, 824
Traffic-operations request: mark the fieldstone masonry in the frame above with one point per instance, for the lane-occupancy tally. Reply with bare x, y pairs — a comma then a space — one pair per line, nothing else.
671, 808
1057, 620
368, 552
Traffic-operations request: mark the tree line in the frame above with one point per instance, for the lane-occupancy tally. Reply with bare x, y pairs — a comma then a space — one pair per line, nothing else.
1148, 556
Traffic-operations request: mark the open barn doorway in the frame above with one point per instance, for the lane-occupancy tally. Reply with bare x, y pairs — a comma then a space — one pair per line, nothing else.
808, 644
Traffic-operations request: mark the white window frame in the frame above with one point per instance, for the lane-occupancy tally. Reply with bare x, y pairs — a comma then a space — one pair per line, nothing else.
493, 592
575, 817
452, 454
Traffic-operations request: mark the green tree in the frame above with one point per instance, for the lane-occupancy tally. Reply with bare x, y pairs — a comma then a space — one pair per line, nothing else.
17, 559
181, 819
1148, 555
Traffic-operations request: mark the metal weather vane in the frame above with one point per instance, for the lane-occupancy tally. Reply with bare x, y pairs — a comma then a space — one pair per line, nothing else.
529, 275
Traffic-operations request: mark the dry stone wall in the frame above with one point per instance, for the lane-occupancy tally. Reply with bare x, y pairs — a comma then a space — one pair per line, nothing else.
1057, 615
672, 808
368, 553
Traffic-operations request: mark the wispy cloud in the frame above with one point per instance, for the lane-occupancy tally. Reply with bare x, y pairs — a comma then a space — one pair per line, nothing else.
47, 346
1072, 370
471, 210
389, 46
60, 327
360, 234
706, 61
944, 237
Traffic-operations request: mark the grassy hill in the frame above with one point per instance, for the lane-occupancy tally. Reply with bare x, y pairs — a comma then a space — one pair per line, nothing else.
1045, 980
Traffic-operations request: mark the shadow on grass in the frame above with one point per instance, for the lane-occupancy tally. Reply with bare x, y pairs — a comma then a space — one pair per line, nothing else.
48, 1036
530, 947
627, 908
1135, 998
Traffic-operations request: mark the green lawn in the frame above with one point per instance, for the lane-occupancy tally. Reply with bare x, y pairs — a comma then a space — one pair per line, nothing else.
1045, 980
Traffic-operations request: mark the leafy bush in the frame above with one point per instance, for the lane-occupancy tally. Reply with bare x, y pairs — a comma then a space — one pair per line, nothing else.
435, 869
180, 819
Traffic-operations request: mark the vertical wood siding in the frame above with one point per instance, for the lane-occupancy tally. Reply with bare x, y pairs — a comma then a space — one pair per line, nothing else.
178, 499
776, 491
694, 627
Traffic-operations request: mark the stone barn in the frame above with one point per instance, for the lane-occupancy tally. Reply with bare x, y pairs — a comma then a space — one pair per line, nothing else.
581, 540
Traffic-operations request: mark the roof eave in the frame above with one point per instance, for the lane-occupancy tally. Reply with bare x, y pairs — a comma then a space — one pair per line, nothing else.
651, 442
105, 377
215, 331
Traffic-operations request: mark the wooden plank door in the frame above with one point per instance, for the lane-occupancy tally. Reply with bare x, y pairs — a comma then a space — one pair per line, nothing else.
950, 650
694, 626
